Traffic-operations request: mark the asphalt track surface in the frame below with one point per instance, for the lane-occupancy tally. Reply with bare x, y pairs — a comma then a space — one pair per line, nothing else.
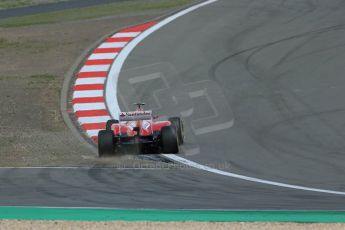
271, 72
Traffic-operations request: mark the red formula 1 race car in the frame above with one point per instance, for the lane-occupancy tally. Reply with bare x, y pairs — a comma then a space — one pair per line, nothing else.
142, 129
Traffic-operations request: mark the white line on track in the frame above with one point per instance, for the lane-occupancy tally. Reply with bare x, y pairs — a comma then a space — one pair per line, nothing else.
111, 89
113, 105
214, 128
247, 178
198, 93
149, 77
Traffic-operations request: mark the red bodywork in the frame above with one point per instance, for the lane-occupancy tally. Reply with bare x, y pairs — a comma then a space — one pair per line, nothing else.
142, 128
138, 123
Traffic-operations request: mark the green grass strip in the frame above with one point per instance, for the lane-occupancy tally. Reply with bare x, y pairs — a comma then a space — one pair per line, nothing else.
100, 214
8, 4
111, 9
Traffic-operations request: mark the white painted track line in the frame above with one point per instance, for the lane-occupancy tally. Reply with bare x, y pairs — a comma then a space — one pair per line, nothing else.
214, 128
111, 89
247, 178
149, 77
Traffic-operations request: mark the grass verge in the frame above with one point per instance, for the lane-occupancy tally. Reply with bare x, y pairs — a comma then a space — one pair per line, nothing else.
29, 46
93, 12
6, 4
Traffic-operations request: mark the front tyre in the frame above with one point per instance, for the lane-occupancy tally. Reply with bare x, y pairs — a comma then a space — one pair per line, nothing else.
169, 140
178, 124
106, 145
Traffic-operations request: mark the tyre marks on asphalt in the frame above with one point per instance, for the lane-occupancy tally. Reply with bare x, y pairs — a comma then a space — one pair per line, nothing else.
88, 91
201, 104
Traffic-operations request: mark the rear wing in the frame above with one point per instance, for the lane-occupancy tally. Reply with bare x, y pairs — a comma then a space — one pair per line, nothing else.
135, 115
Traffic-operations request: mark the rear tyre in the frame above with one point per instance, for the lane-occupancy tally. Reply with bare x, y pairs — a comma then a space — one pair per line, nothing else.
178, 124
110, 123
106, 143
169, 140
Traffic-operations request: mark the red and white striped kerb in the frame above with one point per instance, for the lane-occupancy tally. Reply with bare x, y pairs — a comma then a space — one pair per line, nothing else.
88, 93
